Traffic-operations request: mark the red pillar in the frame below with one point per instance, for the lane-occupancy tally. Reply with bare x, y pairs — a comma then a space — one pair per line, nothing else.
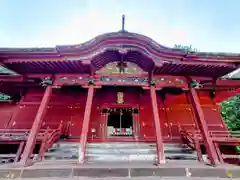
160, 148
211, 151
85, 126
36, 126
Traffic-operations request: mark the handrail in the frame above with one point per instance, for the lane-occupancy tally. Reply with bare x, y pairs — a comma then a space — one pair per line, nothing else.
46, 137
216, 133
19, 130
22, 134
192, 140
49, 140
187, 138
217, 136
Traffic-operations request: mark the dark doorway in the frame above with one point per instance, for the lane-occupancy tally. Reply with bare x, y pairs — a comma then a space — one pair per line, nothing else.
120, 122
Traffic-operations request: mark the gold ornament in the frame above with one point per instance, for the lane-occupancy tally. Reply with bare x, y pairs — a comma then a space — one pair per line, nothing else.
120, 98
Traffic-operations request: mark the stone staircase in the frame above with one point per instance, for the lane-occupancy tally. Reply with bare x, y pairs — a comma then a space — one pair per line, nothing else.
136, 152
63, 151
125, 152
179, 151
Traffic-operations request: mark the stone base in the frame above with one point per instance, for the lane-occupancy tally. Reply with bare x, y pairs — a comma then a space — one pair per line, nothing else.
178, 169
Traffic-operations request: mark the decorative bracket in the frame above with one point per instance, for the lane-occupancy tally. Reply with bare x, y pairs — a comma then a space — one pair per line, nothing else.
195, 84
153, 83
91, 81
46, 82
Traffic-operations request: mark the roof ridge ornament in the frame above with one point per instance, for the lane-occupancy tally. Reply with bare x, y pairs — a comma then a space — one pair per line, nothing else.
123, 23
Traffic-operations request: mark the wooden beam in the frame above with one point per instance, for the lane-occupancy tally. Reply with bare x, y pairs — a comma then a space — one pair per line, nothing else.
85, 126
36, 126
159, 143
211, 151
11, 78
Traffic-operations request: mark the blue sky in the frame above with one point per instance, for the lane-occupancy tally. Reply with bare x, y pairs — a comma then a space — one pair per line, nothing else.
208, 25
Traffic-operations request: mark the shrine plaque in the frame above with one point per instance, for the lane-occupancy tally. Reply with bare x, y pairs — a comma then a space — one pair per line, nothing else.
120, 98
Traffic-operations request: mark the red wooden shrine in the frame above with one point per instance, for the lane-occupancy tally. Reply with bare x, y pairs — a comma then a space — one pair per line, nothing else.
166, 94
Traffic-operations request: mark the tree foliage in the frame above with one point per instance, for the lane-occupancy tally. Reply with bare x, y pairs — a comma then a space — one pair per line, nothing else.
186, 48
231, 112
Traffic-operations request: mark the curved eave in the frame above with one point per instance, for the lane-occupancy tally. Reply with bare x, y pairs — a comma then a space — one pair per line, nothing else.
85, 67
127, 39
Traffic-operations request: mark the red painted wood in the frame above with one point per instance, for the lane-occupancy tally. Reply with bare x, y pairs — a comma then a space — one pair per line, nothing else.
136, 126
76, 118
222, 95
213, 117
95, 120
212, 154
36, 126
71, 107
6, 114
33, 95
147, 128
165, 126
24, 117
85, 125
172, 99
159, 143
204, 97
56, 114
180, 116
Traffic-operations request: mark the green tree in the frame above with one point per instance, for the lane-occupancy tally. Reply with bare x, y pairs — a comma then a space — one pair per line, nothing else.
230, 110
186, 48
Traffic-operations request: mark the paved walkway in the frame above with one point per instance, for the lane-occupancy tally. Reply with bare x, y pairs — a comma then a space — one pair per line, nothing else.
142, 178
176, 170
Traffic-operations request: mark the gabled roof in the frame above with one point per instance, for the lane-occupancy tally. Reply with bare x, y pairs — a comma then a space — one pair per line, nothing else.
105, 48
120, 35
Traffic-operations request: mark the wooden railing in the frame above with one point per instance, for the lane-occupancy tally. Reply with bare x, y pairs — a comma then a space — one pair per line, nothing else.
46, 137
194, 138
49, 139
225, 135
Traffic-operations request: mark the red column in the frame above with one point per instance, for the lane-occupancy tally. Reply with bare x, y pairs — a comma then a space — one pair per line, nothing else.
36, 126
85, 126
211, 151
135, 126
160, 148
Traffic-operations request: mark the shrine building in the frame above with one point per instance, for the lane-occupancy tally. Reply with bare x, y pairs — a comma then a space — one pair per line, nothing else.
120, 96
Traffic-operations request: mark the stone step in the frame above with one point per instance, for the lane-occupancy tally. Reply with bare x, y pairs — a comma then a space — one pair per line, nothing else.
117, 145
181, 156
121, 145
119, 151
114, 157
63, 151
138, 151
179, 151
